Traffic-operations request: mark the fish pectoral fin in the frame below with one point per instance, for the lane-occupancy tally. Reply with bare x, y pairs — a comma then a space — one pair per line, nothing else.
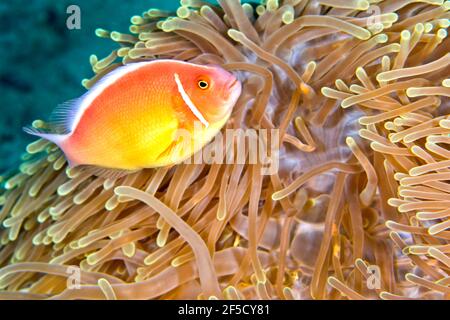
171, 151
176, 151
106, 173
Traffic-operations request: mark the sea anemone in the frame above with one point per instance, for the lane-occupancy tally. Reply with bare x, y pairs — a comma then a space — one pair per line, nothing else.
359, 208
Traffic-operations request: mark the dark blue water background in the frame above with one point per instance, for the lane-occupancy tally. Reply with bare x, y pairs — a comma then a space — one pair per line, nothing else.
42, 62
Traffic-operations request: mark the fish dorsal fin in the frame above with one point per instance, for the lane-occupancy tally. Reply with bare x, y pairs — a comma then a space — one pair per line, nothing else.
62, 117
106, 173
59, 125
189, 102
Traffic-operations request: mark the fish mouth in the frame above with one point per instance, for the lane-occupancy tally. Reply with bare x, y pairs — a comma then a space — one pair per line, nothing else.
233, 84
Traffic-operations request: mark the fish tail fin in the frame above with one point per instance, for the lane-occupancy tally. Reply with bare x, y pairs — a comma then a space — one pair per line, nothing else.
57, 139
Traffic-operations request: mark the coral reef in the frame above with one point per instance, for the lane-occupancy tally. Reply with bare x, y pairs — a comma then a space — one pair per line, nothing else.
358, 210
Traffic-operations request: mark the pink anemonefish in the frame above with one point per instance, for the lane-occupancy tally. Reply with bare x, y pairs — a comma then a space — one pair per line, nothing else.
129, 120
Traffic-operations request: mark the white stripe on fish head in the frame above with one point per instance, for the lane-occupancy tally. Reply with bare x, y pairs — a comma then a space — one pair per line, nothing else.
189, 102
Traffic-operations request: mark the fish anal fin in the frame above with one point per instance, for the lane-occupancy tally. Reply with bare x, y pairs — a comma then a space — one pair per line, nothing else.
106, 173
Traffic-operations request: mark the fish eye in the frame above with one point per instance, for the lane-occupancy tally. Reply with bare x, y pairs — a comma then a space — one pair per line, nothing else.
203, 84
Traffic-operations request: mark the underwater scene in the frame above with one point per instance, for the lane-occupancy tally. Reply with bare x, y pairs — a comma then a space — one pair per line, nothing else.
231, 150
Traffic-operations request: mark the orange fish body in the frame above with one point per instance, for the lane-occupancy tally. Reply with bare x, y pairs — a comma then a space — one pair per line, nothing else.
133, 117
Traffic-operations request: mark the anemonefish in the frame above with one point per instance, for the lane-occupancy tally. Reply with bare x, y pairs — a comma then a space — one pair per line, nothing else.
131, 118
